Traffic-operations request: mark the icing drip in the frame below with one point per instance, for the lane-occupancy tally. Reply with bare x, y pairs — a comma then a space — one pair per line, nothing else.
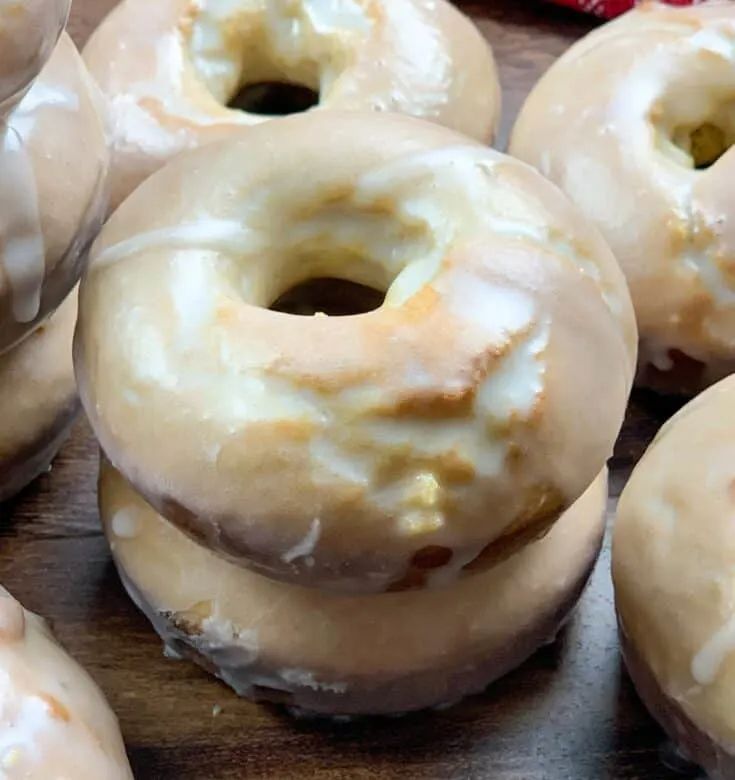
22, 253
306, 546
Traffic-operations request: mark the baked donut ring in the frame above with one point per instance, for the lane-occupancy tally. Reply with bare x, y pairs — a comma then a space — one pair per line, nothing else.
673, 559
170, 75
349, 655
29, 30
54, 720
38, 400
435, 433
636, 123
54, 136
356, 452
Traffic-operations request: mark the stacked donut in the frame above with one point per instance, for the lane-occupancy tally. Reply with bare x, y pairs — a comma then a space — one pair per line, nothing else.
51, 134
356, 514
54, 721
360, 514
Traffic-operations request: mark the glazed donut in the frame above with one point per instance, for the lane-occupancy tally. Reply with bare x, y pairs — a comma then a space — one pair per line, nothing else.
38, 400
635, 123
170, 76
54, 721
54, 137
673, 559
29, 30
349, 655
434, 434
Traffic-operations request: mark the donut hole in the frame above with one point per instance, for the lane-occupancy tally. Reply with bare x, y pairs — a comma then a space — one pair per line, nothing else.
704, 144
275, 58
695, 118
274, 98
330, 296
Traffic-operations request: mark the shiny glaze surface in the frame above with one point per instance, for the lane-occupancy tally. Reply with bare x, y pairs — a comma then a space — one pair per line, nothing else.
570, 713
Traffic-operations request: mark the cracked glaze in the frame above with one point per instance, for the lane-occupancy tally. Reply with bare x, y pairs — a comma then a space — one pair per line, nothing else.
54, 721
674, 564
169, 80
612, 123
464, 414
350, 655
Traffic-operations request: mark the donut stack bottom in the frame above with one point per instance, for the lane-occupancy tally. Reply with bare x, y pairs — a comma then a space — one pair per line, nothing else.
330, 654
54, 720
38, 400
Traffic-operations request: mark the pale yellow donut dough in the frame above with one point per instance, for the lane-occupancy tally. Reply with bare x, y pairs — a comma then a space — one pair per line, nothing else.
29, 30
38, 400
437, 432
674, 572
54, 721
170, 73
617, 122
338, 654
53, 162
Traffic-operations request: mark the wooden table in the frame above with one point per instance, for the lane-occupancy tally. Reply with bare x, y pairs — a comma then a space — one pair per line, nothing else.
570, 712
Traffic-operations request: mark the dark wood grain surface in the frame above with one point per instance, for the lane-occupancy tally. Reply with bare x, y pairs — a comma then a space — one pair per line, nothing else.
569, 712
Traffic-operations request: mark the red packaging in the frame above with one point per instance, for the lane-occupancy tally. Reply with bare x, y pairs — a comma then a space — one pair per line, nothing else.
609, 8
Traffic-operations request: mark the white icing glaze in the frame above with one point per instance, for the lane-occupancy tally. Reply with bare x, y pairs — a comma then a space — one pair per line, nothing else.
445, 575
22, 252
717, 39
517, 385
306, 546
22, 244
330, 16
658, 355
707, 662
713, 274
465, 175
303, 678
207, 233
126, 524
